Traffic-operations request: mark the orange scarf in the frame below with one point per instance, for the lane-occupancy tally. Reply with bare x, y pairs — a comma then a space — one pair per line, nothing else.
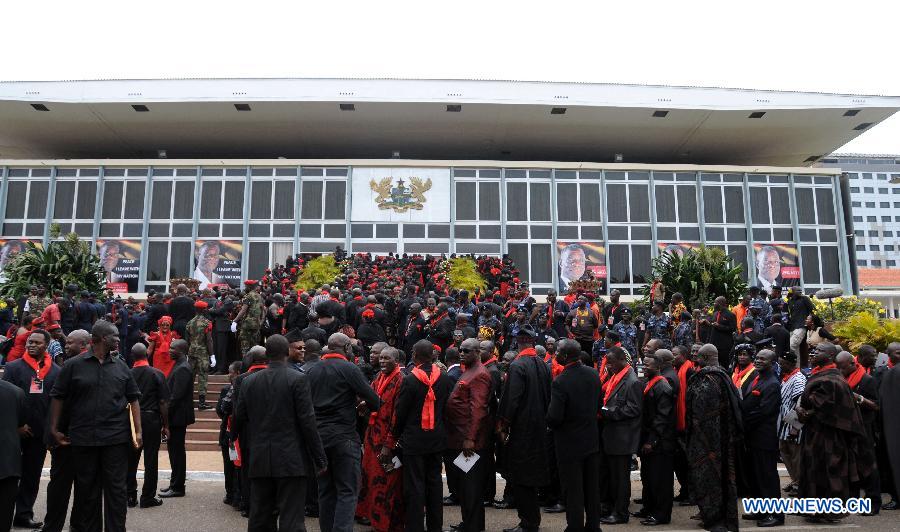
823, 368
604, 375
787, 377
428, 405
680, 405
610, 386
381, 382
556, 368
255, 367
329, 356
652, 383
42, 368
856, 376
529, 352
739, 377
140, 363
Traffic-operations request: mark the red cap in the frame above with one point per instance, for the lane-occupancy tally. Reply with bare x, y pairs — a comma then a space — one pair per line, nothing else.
202, 305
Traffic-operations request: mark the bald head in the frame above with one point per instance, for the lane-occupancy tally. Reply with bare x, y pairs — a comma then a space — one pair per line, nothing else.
257, 354
665, 358
708, 355
567, 351
338, 342
139, 352
276, 347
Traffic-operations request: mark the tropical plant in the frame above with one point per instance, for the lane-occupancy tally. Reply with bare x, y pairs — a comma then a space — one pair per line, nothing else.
63, 262
846, 306
865, 328
462, 274
700, 275
319, 271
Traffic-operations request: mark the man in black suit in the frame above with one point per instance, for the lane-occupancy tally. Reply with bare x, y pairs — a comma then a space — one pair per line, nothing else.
492, 365
155, 423
572, 415
722, 329
254, 361
657, 443
181, 309
781, 337
760, 408
277, 406
419, 428
181, 414
620, 424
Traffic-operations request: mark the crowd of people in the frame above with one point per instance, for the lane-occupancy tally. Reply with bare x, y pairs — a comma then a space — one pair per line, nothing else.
356, 395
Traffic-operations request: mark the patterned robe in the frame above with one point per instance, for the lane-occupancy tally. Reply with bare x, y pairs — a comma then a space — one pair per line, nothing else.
714, 434
380, 492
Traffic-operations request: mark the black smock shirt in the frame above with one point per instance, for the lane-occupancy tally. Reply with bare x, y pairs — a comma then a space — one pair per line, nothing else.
18, 372
335, 385
152, 384
96, 394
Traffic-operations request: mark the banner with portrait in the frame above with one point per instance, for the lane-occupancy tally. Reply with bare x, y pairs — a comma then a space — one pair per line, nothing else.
217, 263
581, 265
775, 264
9, 248
678, 248
121, 260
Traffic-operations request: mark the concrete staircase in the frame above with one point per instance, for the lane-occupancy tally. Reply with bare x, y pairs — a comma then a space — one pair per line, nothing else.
204, 434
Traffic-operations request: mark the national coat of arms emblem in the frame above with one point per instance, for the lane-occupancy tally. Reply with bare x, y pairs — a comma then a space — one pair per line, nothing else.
399, 197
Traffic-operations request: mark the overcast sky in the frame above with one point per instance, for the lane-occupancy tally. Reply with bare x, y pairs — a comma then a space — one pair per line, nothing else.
846, 47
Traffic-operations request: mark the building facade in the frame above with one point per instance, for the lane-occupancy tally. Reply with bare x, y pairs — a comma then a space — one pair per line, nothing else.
222, 222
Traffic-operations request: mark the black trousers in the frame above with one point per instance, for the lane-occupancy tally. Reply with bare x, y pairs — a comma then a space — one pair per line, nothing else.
59, 491
151, 426
33, 453
551, 493
245, 480
527, 506
656, 479
282, 494
762, 469
680, 465
229, 471
580, 482
453, 473
422, 490
177, 457
490, 474
604, 491
619, 469
471, 494
101, 472
8, 488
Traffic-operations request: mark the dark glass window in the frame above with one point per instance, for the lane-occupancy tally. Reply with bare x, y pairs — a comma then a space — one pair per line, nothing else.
15, 199
65, 199
516, 202
831, 273
640, 262
37, 200
810, 257
665, 203
591, 210
519, 254
712, 204
258, 259
86, 199
616, 203
157, 261
183, 206
465, 201
134, 200
211, 200
806, 208
413, 231
488, 201
161, 201
112, 199
619, 271
759, 205
261, 200
234, 200
540, 202
335, 199
825, 206
687, 203
566, 198
781, 206
639, 203
541, 264
311, 202
284, 200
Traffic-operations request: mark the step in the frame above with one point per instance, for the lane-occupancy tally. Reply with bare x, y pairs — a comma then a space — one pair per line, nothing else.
197, 445
211, 434
205, 414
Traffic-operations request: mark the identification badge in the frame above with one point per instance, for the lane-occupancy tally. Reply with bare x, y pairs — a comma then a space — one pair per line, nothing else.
37, 385
643, 327
574, 322
609, 321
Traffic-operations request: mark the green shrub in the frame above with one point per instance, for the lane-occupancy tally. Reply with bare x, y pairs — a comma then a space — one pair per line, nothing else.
463, 275
864, 328
319, 271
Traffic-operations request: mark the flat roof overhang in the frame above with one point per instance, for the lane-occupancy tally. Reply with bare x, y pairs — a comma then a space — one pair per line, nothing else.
496, 120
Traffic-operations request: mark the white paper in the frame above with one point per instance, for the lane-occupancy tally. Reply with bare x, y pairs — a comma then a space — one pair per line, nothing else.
396, 462
234, 326
466, 462
212, 360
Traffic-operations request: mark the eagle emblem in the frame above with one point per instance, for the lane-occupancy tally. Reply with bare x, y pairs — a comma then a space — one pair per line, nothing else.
399, 197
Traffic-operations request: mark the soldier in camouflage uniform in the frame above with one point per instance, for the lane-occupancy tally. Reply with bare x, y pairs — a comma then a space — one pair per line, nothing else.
38, 301
249, 317
199, 349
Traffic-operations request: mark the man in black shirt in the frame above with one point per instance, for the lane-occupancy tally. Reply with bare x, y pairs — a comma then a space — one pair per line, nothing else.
95, 389
781, 337
335, 383
155, 422
35, 373
181, 309
12, 422
156, 309
181, 414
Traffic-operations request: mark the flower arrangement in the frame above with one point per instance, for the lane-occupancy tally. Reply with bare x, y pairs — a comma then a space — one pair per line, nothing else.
846, 307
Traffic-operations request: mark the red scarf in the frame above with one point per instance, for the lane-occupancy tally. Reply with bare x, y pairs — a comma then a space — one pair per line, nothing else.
428, 405
381, 382
255, 367
492, 360
41, 368
738, 377
787, 377
604, 375
823, 368
613, 382
141, 363
856, 376
652, 382
556, 369
435, 320
530, 352
680, 405
330, 356
890, 363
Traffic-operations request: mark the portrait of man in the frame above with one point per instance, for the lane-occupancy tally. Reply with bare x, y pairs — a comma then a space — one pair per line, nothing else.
10, 250
208, 255
572, 265
768, 267
110, 253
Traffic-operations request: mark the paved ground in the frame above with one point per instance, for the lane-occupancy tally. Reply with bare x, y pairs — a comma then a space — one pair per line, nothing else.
202, 511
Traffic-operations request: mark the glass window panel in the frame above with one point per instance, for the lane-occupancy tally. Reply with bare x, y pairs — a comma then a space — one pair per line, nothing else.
687, 203
783, 234
666, 233
810, 257
15, 199
619, 271
739, 254
260, 230
639, 203
540, 202
132, 230
112, 199
519, 254
564, 232
261, 200
158, 230
161, 200
516, 231
281, 251
489, 232
335, 199
759, 205
84, 230
310, 230
180, 263
689, 233
591, 210
806, 213
831, 272
712, 204
311, 202
37, 200
825, 206
386, 231
182, 229
361, 231
641, 233
734, 205
640, 264
465, 210
616, 203
207, 230
618, 233
258, 260
183, 206
488, 201
65, 199
12, 229
284, 200
134, 200
541, 264
335, 231
211, 200
516, 201
234, 200
566, 198
109, 230
438, 231
157, 261
87, 199
413, 231
464, 231
665, 203
542, 232
781, 207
